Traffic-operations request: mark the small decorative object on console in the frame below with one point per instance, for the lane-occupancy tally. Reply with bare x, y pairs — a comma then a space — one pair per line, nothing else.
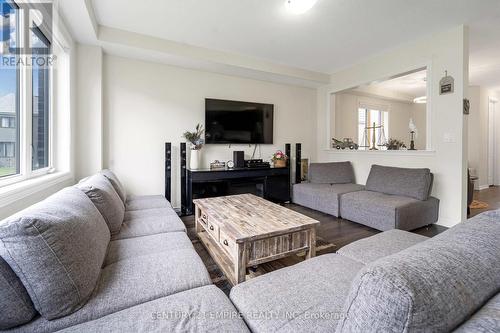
345, 143
279, 159
217, 165
395, 144
195, 138
230, 164
413, 134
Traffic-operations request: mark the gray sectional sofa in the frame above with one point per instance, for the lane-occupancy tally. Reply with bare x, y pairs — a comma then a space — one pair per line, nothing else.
68, 264
393, 198
391, 282
92, 259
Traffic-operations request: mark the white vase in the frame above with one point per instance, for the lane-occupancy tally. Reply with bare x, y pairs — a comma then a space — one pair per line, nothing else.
194, 161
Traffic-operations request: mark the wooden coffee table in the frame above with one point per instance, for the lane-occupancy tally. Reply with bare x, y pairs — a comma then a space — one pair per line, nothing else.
241, 231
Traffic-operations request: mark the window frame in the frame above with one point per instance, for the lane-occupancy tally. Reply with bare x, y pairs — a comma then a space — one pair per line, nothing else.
24, 128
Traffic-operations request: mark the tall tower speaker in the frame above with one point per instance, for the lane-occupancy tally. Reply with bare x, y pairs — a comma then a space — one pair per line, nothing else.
183, 178
298, 163
168, 170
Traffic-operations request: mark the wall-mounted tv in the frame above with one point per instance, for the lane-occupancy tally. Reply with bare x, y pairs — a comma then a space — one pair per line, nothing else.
233, 122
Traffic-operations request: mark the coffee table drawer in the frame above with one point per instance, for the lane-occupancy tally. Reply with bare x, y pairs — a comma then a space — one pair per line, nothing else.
203, 219
213, 229
228, 244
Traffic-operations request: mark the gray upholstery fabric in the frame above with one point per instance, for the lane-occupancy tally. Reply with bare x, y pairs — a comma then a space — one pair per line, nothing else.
413, 183
149, 222
384, 212
369, 249
331, 173
56, 248
139, 202
16, 307
131, 282
307, 297
204, 309
113, 179
322, 197
432, 286
486, 320
139, 246
102, 194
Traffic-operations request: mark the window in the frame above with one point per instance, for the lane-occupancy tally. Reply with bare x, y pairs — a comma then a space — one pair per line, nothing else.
372, 122
8, 122
40, 93
25, 99
9, 99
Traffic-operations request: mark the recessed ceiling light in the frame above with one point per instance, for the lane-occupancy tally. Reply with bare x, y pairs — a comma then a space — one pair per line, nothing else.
299, 6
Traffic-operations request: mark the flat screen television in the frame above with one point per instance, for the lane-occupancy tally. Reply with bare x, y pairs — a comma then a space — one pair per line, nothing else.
233, 122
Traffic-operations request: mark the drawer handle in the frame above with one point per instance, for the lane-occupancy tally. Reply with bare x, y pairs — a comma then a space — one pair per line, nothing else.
212, 227
225, 242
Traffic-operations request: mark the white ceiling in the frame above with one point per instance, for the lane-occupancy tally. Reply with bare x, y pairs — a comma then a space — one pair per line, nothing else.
413, 85
334, 34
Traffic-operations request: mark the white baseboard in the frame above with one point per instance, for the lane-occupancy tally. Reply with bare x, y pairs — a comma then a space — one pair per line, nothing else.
483, 187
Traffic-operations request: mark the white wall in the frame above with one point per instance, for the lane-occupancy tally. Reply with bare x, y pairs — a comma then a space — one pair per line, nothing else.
89, 141
478, 133
444, 51
147, 104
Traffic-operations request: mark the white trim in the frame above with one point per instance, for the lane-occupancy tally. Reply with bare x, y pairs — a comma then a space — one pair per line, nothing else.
420, 153
17, 191
483, 187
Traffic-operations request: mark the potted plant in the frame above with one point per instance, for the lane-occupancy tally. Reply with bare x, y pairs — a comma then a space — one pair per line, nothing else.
196, 140
395, 144
279, 159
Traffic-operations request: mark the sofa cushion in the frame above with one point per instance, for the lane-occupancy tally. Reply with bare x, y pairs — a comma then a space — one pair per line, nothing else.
204, 309
430, 287
123, 249
56, 248
369, 249
413, 183
149, 222
140, 202
385, 212
116, 183
16, 307
102, 194
131, 282
322, 197
331, 173
306, 297
487, 319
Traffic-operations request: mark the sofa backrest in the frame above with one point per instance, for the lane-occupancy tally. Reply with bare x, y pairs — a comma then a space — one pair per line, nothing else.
56, 248
16, 307
331, 173
413, 183
102, 194
119, 188
432, 286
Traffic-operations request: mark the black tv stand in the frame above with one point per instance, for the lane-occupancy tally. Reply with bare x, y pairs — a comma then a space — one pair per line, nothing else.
270, 183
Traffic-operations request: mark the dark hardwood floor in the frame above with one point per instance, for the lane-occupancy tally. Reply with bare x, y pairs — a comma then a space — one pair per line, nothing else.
338, 231
491, 196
